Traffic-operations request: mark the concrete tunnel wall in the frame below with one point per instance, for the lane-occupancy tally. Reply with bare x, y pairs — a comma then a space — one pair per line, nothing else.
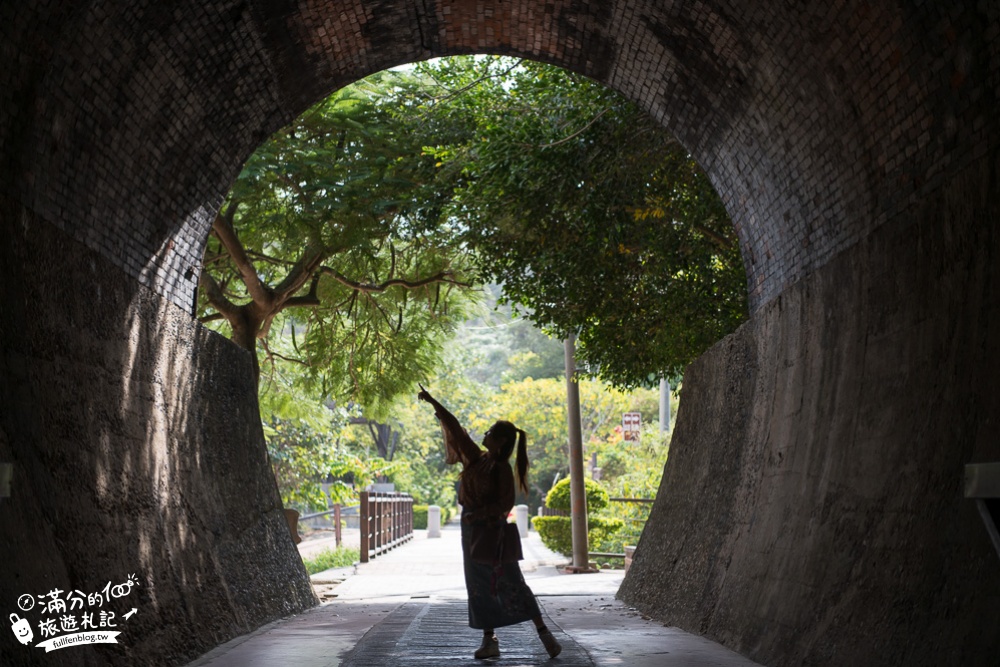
855, 146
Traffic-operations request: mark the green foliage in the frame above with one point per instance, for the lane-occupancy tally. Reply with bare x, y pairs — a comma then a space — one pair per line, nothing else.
303, 457
422, 471
539, 407
500, 347
386, 199
631, 470
327, 558
336, 216
592, 217
557, 532
420, 516
558, 497
633, 517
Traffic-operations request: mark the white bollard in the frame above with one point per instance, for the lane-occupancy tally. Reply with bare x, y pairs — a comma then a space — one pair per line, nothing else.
521, 514
433, 521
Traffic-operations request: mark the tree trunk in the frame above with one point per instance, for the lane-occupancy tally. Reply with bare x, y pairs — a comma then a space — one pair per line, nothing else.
246, 325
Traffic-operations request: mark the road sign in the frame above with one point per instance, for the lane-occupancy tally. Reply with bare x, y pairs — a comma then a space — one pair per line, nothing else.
631, 424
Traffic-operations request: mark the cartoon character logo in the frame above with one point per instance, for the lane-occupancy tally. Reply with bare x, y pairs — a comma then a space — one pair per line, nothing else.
21, 628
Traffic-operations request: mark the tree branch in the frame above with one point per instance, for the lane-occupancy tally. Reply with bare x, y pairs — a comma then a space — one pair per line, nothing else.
367, 288
716, 238
271, 355
210, 288
575, 134
276, 355
304, 269
269, 259
223, 228
472, 84
310, 299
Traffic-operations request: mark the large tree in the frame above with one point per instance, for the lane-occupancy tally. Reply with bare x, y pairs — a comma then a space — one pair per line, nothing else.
594, 219
345, 236
324, 253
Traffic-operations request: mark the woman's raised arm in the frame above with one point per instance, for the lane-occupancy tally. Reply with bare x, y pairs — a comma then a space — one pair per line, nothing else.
455, 436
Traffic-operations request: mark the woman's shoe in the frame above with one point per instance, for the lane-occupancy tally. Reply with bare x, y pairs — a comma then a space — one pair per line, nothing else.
489, 649
551, 645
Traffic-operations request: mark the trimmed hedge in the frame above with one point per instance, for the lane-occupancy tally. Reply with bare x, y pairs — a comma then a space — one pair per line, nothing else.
558, 497
557, 532
420, 516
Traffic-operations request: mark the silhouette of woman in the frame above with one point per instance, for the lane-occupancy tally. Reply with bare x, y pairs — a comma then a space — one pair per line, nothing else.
498, 594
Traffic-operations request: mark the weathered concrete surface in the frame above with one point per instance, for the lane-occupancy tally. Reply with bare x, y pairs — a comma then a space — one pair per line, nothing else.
119, 469
811, 511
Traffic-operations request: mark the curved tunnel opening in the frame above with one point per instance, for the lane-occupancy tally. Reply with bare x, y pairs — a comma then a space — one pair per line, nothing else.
318, 181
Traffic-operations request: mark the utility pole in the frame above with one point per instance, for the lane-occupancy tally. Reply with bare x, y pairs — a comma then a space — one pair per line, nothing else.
664, 405
577, 490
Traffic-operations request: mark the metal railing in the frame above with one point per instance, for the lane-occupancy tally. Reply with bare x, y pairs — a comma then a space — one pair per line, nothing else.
336, 512
602, 554
386, 522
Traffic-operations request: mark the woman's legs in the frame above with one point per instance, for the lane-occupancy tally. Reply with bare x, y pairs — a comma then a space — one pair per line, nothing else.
551, 645
490, 648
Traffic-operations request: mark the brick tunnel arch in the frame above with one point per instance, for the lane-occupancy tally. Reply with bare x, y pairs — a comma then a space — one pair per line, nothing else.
776, 113
855, 147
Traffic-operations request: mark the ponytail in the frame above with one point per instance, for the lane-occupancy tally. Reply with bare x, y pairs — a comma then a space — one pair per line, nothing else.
522, 460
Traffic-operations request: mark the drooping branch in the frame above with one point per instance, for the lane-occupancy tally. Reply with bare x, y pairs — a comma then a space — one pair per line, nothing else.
451, 93
271, 354
577, 133
439, 277
378, 308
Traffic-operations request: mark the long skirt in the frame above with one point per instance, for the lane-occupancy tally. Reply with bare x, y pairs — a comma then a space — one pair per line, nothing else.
498, 594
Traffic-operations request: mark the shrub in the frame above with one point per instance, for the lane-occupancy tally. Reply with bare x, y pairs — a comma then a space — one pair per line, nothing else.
558, 497
420, 517
557, 532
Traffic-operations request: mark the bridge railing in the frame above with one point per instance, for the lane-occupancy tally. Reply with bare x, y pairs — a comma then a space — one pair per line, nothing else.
386, 522
634, 523
335, 515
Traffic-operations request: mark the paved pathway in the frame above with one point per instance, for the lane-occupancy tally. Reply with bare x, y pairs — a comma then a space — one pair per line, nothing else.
407, 609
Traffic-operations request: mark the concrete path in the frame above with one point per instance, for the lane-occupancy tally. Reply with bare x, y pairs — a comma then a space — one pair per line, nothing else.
407, 609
